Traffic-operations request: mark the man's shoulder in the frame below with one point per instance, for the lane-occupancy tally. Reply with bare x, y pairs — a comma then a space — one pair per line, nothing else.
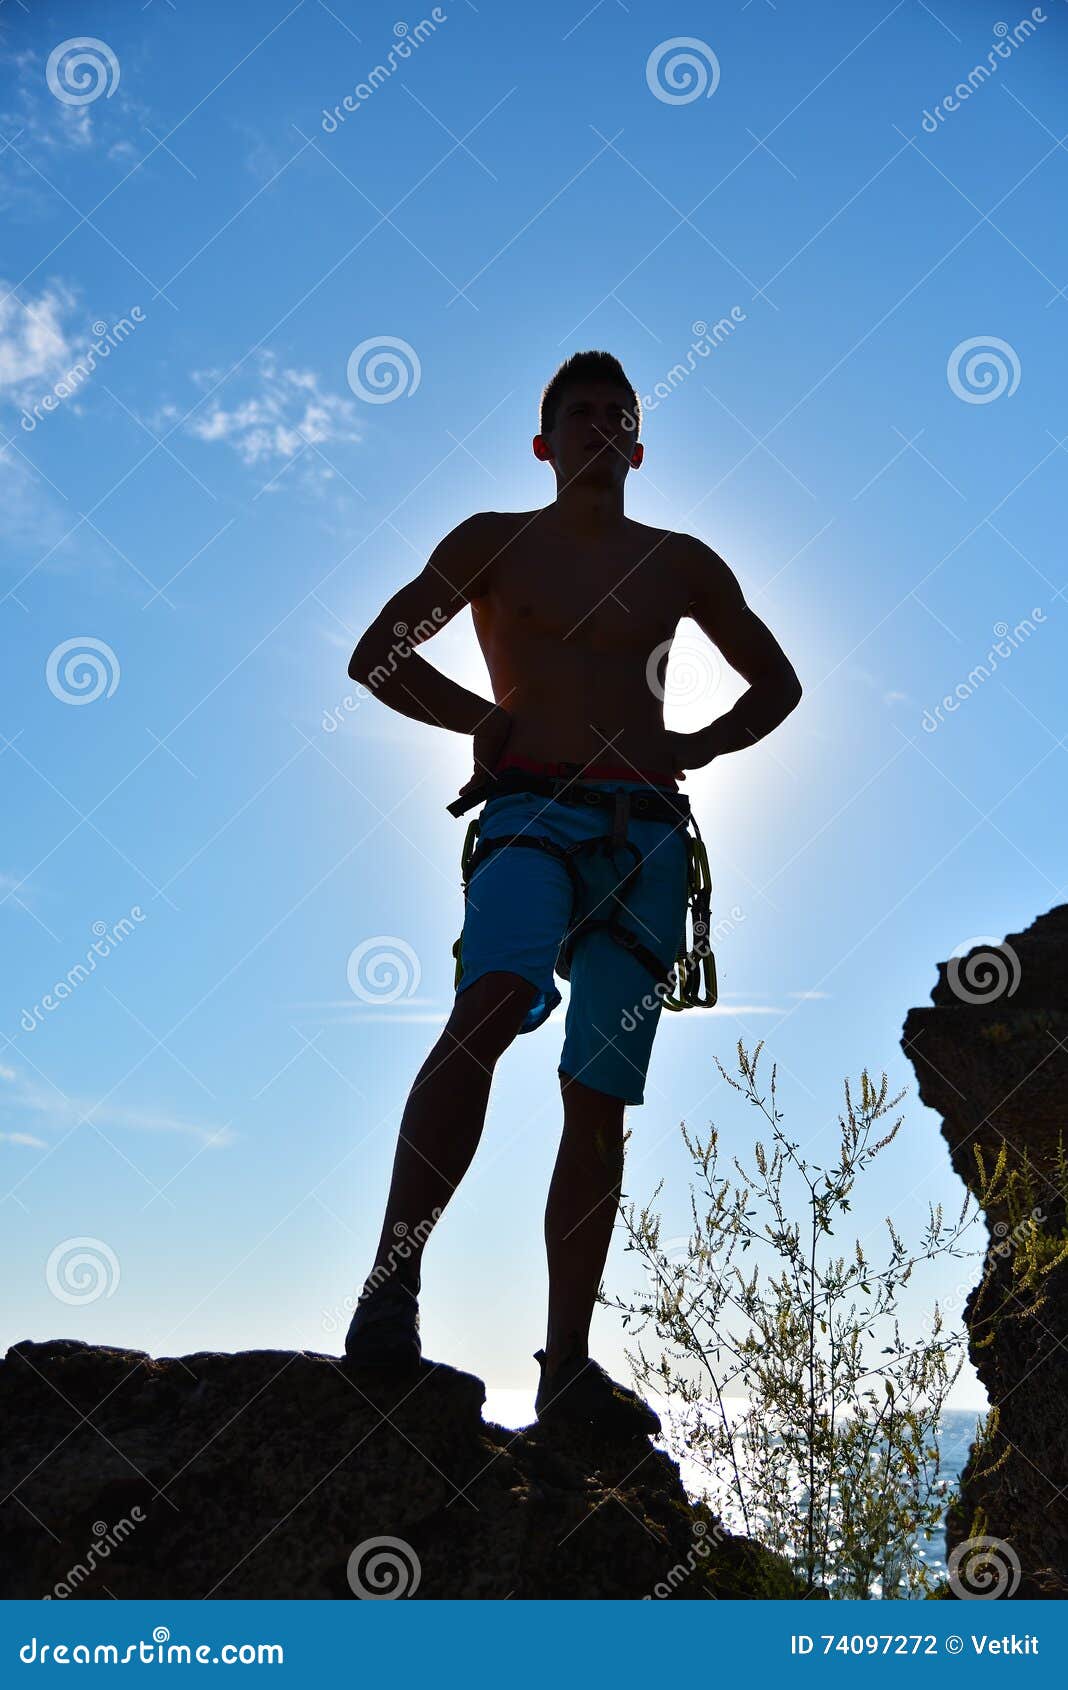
484, 527
670, 543
488, 521
476, 543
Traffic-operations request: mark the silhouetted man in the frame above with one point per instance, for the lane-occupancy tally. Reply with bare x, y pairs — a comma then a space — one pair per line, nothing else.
572, 605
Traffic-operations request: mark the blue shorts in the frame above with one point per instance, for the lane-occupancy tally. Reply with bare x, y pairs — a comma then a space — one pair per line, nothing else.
519, 907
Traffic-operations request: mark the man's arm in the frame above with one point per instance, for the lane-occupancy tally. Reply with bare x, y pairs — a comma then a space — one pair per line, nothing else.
384, 659
718, 607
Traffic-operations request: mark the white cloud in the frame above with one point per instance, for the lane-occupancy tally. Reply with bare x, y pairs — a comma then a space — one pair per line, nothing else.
57, 1110
286, 415
34, 121
23, 1138
35, 343
33, 118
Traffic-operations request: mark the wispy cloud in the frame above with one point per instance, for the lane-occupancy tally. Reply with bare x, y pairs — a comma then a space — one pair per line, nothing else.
31, 118
23, 1138
35, 338
273, 415
53, 1109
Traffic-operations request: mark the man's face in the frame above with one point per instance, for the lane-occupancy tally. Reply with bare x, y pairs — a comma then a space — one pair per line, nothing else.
593, 440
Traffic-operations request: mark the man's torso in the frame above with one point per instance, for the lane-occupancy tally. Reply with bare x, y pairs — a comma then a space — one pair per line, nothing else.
575, 635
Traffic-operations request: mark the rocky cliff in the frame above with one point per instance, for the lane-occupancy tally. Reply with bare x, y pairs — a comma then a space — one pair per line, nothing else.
991, 1056
280, 1475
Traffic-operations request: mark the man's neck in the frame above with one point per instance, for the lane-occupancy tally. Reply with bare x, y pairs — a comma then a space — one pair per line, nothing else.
590, 510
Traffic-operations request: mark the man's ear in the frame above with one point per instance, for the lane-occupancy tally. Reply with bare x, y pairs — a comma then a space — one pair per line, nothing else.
542, 449
636, 456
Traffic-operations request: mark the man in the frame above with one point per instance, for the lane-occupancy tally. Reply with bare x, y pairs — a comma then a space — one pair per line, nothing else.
573, 605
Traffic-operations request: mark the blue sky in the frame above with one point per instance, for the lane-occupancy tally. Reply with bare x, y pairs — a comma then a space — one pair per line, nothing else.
222, 511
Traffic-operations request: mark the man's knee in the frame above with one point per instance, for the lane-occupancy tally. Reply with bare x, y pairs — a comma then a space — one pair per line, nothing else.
488, 1014
597, 1117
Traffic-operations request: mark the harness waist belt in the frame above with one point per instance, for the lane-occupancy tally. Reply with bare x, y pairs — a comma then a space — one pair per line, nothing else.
653, 805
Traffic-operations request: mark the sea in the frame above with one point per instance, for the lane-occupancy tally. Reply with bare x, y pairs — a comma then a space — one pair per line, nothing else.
514, 1408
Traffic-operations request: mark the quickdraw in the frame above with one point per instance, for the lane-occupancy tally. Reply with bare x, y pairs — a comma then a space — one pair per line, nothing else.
679, 985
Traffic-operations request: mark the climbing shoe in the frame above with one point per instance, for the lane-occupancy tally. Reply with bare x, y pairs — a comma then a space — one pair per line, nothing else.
384, 1331
580, 1393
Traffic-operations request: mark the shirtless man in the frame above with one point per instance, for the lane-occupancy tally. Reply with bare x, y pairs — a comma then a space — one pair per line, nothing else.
568, 604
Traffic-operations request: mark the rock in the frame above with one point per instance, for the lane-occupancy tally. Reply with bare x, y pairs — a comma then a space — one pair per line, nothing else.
991, 1057
262, 1474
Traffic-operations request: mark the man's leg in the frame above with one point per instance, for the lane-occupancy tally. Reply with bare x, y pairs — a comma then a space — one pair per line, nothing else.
443, 1118
580, 1214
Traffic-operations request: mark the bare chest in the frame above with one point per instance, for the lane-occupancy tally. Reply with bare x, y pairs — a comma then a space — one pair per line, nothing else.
625, 599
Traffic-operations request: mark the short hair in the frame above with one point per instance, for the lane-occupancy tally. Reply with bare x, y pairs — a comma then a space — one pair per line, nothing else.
587, 366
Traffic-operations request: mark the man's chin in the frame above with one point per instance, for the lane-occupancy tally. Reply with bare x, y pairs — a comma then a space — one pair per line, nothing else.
600, 470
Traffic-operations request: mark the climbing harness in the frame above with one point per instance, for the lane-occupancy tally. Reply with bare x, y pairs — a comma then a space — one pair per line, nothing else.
695, 962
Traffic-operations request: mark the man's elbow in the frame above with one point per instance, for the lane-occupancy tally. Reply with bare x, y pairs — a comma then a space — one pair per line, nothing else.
364, 661
790, 684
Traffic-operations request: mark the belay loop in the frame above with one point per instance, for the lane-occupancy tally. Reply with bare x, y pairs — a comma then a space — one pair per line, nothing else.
678, 986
